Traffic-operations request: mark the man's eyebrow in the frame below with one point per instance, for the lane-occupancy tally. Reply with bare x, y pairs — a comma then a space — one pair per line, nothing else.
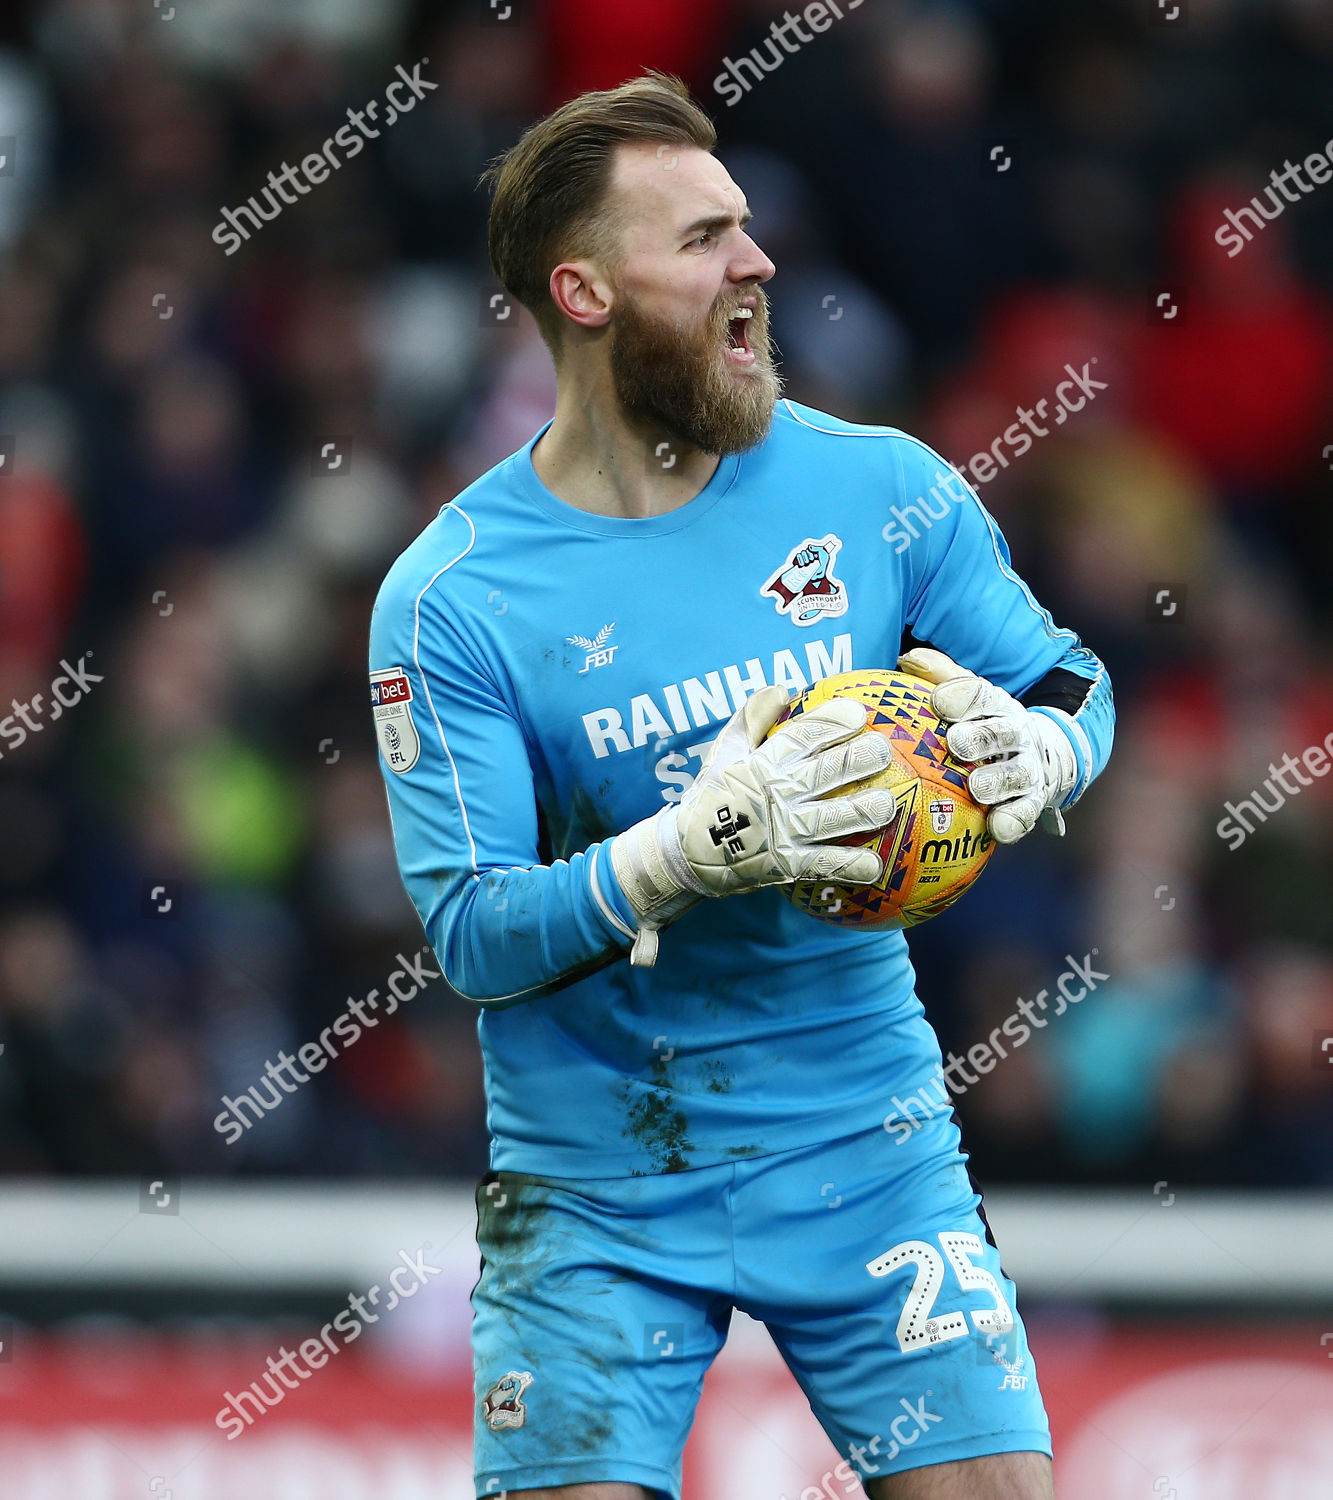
718, 221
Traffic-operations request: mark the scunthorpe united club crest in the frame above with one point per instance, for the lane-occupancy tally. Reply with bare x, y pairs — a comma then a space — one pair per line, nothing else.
599, 653
804, 588
391, 704
503, 1403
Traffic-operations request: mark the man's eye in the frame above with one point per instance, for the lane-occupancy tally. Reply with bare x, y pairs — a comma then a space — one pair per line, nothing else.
704, 237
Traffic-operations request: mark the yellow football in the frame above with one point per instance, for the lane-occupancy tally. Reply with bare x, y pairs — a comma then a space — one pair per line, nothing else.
937, 845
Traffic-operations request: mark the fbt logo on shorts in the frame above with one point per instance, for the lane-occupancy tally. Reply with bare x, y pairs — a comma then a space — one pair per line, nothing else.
391, 704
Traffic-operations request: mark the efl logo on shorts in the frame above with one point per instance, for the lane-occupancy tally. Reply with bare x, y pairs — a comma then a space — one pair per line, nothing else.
391, 704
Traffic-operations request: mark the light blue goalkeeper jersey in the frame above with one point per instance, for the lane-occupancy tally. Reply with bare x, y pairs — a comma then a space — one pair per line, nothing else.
542, 677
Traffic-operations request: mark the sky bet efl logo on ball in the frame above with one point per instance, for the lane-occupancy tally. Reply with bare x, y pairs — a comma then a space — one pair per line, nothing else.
391, 703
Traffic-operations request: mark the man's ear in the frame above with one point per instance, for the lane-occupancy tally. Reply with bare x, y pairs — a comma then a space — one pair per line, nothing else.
581, 293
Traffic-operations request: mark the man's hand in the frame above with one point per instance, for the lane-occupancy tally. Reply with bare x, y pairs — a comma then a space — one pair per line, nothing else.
757, 814
809, 565
1027, 765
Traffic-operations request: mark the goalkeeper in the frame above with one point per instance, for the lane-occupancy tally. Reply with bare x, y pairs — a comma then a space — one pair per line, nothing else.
573, 672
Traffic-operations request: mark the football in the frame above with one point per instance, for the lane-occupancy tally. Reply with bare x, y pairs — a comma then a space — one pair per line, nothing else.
937, 845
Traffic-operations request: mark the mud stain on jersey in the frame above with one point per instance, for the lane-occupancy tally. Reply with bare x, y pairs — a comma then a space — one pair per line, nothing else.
720, 1079
656, 1121
585, 821
659, 1126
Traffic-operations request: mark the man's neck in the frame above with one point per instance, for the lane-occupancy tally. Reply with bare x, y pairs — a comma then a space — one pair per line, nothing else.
592, 458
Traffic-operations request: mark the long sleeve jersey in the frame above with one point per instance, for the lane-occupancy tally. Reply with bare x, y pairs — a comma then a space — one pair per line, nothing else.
543, 677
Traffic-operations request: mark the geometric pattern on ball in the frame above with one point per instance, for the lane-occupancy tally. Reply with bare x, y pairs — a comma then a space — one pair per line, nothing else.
937, 846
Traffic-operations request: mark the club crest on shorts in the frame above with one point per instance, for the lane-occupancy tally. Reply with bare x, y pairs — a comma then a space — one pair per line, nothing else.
391, 704
804, 588
503, 1403
941, 815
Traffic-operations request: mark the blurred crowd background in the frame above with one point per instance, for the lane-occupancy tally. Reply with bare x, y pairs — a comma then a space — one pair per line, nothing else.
960, 199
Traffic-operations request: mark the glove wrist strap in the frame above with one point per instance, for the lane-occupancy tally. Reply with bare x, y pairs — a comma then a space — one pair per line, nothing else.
1057, 751
655, 877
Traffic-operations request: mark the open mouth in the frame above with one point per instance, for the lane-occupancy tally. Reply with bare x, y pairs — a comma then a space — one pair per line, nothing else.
738, 336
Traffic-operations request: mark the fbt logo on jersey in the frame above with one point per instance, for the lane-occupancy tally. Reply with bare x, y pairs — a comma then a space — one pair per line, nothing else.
391, 704
599, 653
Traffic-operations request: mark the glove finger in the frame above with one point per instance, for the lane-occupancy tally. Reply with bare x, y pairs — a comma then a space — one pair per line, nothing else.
835, 817
972, 697
1013, 820
977, 739
855, 759
732, 742
934, 666
760, 712
999, 780
850, 866
836, 720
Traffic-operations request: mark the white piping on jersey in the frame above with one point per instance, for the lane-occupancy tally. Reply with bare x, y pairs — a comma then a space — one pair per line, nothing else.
839, 431
439, 729
1084, 744
1048, 623
458, 790
607, 910
1044, 615
416, 661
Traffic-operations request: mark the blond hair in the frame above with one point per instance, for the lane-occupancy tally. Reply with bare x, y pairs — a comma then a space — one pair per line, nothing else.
550, 187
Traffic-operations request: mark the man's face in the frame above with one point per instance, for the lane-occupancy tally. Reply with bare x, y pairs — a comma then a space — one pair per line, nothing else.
685, 359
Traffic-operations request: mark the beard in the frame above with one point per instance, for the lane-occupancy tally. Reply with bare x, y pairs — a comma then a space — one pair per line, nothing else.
680, 381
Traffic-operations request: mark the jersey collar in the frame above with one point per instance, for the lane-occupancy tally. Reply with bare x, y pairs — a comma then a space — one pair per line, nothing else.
724, 476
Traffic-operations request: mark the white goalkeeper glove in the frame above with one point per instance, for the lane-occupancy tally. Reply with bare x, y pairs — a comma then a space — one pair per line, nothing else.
757, 815
1028, 764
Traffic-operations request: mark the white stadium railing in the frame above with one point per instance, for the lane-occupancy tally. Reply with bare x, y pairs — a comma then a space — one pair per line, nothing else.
1055, 1243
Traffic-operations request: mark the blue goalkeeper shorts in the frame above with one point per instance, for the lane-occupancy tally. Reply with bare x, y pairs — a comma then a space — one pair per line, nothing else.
601, 1303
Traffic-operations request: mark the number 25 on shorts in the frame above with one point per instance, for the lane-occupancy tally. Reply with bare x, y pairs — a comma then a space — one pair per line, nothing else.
917, 1326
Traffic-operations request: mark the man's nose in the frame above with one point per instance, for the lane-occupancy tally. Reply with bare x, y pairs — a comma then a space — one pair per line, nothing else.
751, 263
